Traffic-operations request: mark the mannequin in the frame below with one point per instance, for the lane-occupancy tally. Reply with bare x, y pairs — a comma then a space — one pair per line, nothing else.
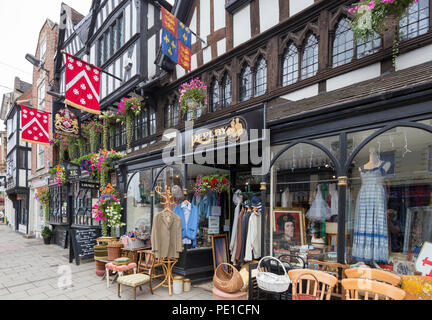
370, 227
375, 161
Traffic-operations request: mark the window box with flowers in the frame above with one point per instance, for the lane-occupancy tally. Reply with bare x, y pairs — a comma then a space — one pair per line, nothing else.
193, 98
128, 109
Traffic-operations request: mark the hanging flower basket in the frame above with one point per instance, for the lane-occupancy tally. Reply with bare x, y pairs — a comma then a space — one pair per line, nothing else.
128, 109
213, 183
377, 15
193, 94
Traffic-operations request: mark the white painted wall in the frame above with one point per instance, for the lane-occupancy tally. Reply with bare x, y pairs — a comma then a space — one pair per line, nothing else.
301, 94
151, 56
194, 62
219, 14
221, 47
150, 16
295, 6
414, 57
207, 56
180, 71
128, 30
204, 18
269, 14
242, 26
356, 76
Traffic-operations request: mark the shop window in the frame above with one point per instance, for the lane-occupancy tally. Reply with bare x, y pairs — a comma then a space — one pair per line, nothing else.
226, 91
304, 202
139, 204
343, 44
290, 65
214, 96
416, 20
309, 66
172, 115
389, 206
210, 222
245, 84
260, 77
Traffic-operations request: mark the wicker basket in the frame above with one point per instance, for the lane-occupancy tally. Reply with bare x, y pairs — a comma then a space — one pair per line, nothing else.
226, 282
114, 250
100, 265
100, 252
272, 282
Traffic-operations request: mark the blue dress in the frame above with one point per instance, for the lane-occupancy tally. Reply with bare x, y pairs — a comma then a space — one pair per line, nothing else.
370, 228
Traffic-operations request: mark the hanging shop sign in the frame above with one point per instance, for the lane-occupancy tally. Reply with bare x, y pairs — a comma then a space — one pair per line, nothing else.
73, 171
89, 185
66, 122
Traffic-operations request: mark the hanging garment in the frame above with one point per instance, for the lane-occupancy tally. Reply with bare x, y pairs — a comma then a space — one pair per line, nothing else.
238, 247
319, 211
245, 229
287, 199
253, 239
166, 236
334, 200
237, 199
188, 214
370, 226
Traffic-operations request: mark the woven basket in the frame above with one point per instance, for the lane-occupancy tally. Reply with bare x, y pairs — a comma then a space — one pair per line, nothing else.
100, 265
100, 252
114, 250
227, 282
272, 282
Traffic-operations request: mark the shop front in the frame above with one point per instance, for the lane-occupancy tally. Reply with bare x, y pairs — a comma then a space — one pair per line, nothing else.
349, 187
141, 175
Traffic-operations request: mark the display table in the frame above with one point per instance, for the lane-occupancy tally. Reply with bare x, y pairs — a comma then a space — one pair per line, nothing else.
167, 265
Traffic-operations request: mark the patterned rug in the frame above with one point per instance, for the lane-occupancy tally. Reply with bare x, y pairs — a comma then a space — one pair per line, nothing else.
206, 286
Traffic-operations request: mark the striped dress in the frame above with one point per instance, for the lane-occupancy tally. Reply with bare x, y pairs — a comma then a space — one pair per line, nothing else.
370, 227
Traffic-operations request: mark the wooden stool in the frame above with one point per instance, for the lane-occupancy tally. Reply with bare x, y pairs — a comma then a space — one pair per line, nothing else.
134, 281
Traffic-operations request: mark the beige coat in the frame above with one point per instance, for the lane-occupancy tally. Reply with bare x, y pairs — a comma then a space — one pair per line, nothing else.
166, 236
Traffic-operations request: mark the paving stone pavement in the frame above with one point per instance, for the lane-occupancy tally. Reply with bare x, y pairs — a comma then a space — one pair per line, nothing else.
30, 270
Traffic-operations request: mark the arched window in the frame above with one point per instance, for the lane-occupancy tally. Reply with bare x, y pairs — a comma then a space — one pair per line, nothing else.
290, 65
152, 121
343, 44
245, 84
310, 58
172, 115
226, 91
416, 21
214, 96
368, 46
260, 77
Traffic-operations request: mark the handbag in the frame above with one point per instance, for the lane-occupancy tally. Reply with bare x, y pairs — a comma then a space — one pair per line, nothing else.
227, 282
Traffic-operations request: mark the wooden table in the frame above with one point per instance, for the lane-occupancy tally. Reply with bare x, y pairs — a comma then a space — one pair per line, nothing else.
168, 265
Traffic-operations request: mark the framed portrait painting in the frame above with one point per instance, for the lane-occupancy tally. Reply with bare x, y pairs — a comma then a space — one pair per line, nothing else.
220, 249
289, 226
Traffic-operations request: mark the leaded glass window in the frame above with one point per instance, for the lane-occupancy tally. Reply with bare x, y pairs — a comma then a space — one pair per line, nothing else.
343, 44
310, 58
245, 84
416, 20
261, 78
290, 65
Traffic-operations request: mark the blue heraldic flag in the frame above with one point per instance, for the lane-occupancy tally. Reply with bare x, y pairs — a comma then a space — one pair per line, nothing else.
184, 35
169, 46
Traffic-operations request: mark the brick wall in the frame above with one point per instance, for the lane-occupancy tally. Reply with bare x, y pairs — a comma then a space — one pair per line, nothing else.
51, 32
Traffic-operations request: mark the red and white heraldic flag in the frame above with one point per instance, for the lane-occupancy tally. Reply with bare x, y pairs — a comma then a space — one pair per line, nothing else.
34, 126
82, 85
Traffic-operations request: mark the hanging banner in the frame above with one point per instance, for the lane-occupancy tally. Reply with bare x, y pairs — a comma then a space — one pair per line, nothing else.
82, 85
34, 126
176, 40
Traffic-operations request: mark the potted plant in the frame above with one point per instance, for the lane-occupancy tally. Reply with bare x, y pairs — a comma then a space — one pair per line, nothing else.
128, 109
193, 95
46, 235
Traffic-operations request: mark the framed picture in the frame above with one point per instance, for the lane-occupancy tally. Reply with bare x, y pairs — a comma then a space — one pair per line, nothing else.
220, 249
289, 226
403, 267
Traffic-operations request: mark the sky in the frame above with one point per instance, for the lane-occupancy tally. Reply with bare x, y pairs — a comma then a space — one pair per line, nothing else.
20, 24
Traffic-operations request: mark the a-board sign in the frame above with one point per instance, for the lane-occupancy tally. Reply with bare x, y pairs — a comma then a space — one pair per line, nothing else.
83, 242
61, 238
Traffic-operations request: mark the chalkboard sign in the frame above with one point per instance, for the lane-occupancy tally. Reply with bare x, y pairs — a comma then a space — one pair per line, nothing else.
61, 238
83, 242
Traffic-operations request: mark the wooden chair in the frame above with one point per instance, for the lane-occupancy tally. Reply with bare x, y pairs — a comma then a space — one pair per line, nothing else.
363, 289
334, 269
374, 274
148, 264
318, 283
